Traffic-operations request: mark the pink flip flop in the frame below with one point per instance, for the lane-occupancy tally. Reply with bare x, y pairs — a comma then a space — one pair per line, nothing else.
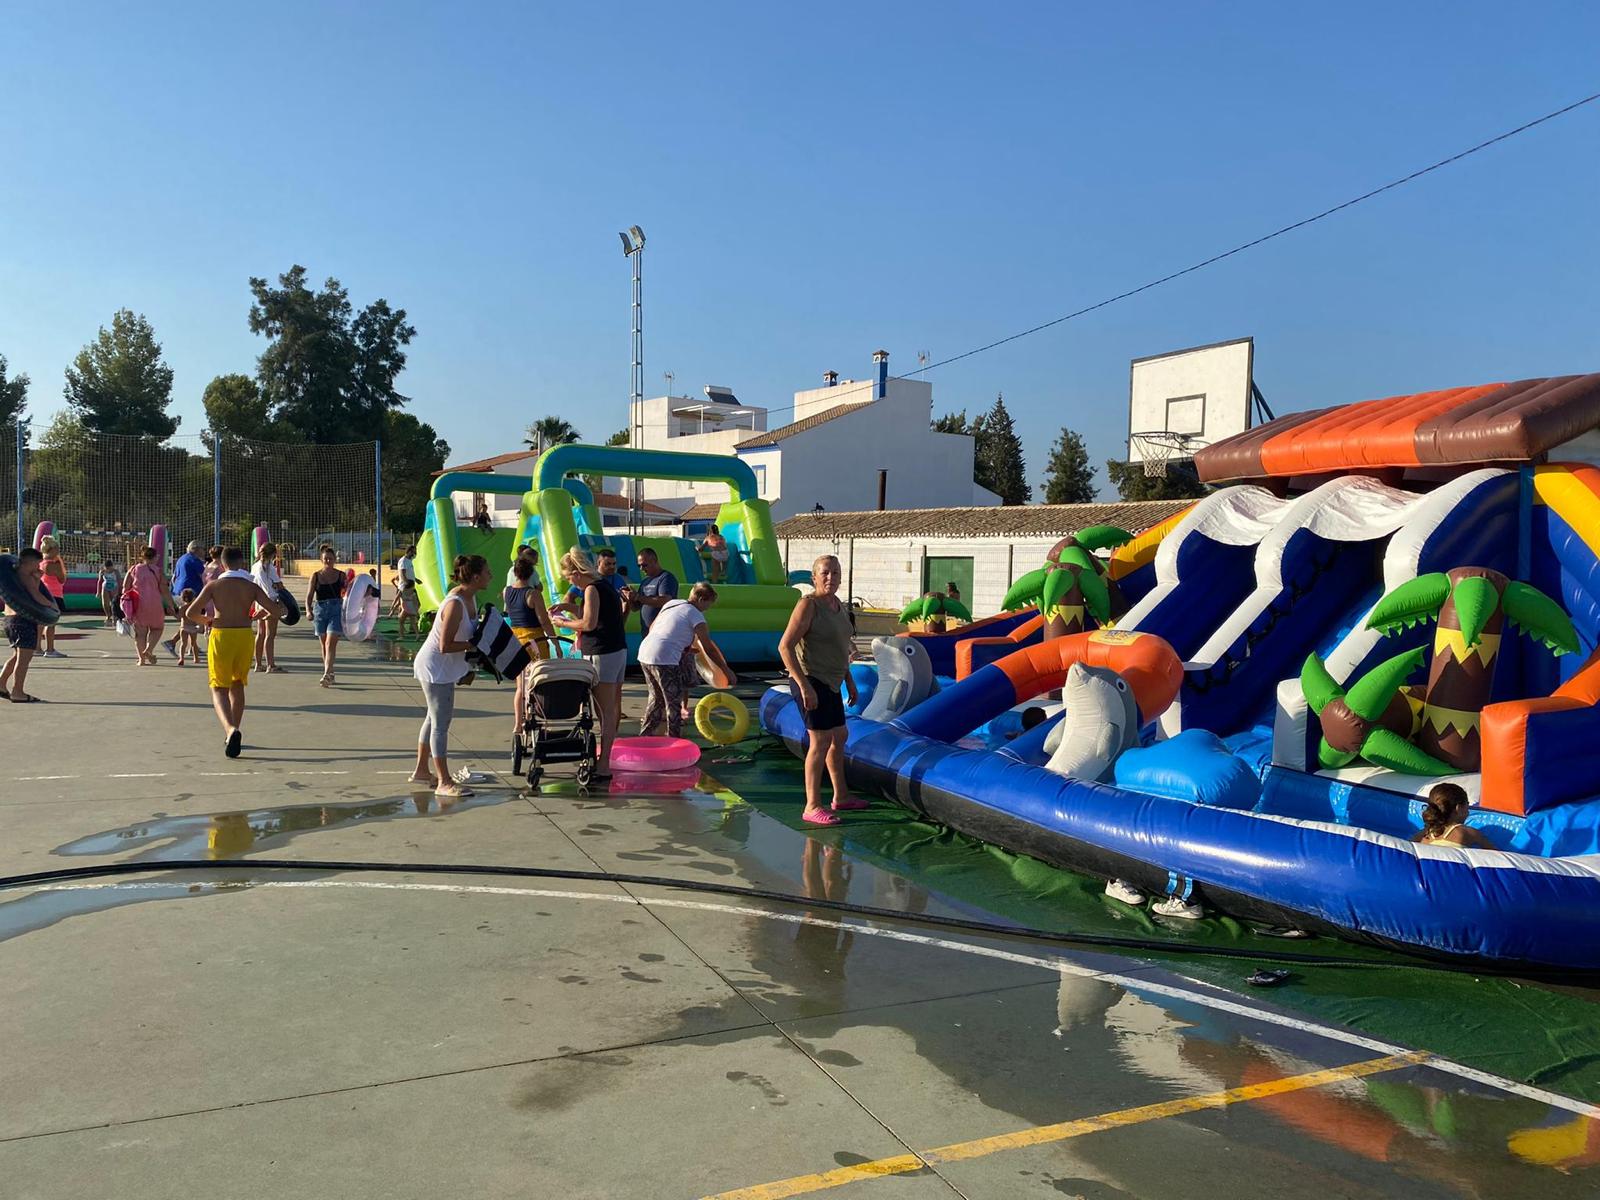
820, 816
854, 804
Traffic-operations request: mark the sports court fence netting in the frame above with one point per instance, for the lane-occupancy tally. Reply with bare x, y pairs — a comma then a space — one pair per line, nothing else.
103, 493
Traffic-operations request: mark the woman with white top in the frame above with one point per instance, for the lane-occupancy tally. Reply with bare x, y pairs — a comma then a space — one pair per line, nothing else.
678, 625
269, 580
439, 666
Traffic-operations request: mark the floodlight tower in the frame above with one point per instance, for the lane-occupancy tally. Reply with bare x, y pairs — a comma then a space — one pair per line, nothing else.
633, 247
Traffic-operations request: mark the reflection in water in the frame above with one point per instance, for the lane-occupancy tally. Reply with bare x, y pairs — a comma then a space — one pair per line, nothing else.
213, 836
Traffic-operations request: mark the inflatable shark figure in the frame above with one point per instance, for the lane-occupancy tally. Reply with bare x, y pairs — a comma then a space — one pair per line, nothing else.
1102, 721
905, 678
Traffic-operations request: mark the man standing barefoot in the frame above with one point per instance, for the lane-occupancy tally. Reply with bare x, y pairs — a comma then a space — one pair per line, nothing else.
225, 604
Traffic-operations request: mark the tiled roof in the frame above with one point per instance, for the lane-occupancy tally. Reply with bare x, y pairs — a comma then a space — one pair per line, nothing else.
614, 501
702, 512
773, 436
1008, 521
489, 464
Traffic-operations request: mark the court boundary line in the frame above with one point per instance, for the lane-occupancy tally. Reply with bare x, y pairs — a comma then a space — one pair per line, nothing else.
1131, 983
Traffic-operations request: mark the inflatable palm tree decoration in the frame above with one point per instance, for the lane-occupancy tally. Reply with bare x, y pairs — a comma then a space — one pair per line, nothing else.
1070, 588
934, 609
1378, 719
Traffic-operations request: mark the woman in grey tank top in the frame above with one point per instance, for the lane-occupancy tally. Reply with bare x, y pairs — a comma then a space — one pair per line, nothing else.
815, 649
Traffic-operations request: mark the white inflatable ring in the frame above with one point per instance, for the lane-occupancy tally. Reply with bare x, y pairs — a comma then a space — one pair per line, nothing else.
705, 714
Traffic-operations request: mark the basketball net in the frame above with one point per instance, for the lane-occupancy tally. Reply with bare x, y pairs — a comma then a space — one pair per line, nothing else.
1156, 457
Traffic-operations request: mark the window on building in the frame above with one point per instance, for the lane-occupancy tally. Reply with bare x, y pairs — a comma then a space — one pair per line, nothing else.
760, 470
939, 572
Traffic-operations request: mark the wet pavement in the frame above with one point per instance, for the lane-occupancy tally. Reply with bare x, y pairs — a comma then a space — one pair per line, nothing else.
412, 1032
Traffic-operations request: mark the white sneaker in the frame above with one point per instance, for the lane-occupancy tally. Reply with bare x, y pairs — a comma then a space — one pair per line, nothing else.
1121, 889
1172, 906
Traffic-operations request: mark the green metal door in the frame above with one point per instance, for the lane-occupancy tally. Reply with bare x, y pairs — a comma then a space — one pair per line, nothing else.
939, 572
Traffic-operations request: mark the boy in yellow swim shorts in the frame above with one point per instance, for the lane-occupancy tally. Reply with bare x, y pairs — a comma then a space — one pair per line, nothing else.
226, 604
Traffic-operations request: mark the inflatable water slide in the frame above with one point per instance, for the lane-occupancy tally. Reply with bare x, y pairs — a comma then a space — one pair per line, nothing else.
1381, 597
558, 512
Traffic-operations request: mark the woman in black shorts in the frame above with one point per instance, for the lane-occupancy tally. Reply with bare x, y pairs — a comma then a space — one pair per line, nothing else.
815, 649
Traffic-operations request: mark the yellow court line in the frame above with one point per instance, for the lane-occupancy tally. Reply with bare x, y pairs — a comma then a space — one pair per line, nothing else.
902, 1164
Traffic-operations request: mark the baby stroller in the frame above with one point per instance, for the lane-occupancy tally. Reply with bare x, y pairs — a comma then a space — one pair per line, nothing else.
560, 723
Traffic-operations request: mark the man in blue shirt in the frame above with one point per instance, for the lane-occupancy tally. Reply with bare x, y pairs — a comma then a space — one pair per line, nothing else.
188, 574
657, 587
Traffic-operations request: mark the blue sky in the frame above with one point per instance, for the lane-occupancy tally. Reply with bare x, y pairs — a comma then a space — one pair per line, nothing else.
815, 181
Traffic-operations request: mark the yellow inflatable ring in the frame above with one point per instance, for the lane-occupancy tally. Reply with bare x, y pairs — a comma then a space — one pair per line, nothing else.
705, 714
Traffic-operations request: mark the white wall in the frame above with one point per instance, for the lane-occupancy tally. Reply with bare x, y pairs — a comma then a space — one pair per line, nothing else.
887, 572
836, 464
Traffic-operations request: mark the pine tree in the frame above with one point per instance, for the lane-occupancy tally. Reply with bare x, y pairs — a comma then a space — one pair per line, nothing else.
1068, 476
13, 398
118, 383
952, 423
997, 456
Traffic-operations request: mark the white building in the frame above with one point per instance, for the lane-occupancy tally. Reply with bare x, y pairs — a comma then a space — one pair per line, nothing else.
889, 559
852, 444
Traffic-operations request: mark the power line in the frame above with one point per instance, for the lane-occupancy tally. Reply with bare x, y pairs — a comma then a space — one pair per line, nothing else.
1216, 258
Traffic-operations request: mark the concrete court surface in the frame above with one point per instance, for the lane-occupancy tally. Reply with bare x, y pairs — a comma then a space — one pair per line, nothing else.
366, 1034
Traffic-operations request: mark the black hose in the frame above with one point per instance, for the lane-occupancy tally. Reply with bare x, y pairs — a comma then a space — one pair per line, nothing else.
960, 924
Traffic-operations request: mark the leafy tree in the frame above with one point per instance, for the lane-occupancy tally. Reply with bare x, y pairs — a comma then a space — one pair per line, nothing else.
550, 431
13, 397
327, 377
952, 423
235, 406
1179, 483
1068, 476
118, 383
412, 452
997, 456
622, 437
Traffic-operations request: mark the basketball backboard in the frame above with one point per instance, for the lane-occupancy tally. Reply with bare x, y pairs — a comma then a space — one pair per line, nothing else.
1188, 399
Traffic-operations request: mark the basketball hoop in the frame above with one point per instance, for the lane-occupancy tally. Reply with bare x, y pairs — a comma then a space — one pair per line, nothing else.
1158, 448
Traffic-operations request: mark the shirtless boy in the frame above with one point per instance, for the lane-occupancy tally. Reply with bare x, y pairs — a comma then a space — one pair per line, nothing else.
225, 604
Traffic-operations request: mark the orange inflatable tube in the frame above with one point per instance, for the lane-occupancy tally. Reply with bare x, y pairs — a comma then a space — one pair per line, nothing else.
1020, 634
1503, 730
1152, 667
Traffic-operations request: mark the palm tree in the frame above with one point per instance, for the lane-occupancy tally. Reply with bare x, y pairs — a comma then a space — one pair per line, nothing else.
1376, 718
549, 431
934, 608
1070, 587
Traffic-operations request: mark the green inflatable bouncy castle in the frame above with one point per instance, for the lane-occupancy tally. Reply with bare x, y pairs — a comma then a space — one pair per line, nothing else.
558, 512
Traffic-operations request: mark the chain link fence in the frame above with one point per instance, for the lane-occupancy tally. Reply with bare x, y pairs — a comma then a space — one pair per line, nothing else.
105, 492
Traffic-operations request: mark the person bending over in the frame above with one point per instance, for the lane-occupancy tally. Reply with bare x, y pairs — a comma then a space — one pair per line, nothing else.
1444, 820
680, 625
226, 605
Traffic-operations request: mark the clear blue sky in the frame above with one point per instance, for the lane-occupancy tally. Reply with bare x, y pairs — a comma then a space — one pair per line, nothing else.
816, 181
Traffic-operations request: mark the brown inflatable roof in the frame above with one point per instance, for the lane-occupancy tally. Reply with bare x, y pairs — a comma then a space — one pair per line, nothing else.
1493, 422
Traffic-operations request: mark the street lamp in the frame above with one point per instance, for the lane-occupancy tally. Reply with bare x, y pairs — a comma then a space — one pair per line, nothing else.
633, 248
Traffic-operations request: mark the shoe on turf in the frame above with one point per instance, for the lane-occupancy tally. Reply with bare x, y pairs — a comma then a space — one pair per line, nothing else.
1185, 910
1121, 889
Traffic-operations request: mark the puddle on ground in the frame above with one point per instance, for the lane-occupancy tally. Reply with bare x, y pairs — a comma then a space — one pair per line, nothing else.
228, 835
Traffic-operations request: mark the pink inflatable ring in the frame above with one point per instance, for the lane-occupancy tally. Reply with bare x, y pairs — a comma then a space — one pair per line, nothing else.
653, 754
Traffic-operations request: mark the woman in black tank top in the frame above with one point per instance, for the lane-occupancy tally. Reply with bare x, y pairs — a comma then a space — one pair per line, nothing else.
601, 640
325, 599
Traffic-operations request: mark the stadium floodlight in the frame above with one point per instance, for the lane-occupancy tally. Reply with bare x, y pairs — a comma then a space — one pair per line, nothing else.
627, 246
638, 235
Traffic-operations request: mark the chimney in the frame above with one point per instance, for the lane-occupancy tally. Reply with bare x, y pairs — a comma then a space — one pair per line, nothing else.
830, 379
881, 358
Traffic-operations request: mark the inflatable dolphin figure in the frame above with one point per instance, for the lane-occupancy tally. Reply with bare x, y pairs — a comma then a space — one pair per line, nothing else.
905, 678
1102, 720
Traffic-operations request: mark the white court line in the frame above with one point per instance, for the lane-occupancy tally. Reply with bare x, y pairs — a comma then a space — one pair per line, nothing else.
42, 778
1204, 999
144, 775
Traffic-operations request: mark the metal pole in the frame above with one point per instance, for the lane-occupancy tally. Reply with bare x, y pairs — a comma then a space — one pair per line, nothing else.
21, 436
377, 514
216, 489
636, 388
